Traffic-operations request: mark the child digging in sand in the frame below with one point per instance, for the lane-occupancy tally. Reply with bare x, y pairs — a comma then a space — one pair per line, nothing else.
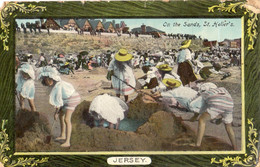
108, 108
210, 103
25, 85
63, 97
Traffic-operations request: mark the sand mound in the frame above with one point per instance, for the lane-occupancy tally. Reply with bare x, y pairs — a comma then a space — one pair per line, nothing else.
31, 130
140, 110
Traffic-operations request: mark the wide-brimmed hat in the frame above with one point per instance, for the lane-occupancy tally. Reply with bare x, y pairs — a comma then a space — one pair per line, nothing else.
48, 71
164, 67
185, 44
172, 83
123, 55
27, 68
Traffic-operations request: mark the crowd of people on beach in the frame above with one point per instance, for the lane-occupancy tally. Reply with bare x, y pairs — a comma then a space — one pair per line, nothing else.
204, 99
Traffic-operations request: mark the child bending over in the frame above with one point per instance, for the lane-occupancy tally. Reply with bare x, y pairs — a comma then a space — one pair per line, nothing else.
63, 97
25, 85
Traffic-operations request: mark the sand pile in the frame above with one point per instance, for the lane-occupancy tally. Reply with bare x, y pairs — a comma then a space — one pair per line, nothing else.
140, 110
31, 130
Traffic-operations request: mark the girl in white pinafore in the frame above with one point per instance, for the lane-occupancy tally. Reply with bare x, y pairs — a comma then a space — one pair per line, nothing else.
25, 85
121, 72
63, 97
108, 108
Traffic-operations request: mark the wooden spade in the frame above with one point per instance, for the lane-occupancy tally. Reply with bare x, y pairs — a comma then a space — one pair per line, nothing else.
48, 138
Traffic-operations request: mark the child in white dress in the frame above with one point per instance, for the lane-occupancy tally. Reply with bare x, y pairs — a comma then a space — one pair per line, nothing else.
25, 85
63, 97
121, 74
108, 108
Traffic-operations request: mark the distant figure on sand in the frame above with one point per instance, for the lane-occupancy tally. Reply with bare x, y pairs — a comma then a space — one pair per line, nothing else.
120, 70
25, 85
108, 108
63, 97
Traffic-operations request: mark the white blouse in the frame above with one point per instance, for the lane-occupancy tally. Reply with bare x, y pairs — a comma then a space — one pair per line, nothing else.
25, 87
62, 90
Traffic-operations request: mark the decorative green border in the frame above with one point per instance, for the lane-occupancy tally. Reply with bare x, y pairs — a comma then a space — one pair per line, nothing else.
6, 160
11, 9
8, 11
251, 21
250, 159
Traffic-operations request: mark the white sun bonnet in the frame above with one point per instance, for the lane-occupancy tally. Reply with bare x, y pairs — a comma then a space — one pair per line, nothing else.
48, 71
27, 68
206, 86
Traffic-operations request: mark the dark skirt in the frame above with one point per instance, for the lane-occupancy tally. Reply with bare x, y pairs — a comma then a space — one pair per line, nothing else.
186, 73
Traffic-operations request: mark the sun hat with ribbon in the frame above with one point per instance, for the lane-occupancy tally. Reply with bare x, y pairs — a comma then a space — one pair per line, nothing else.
48, 71
123, 55
164, 67
185, 44
27, 68
172, 83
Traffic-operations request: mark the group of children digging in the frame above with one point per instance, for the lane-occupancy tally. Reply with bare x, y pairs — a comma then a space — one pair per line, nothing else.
63, 96
206, 101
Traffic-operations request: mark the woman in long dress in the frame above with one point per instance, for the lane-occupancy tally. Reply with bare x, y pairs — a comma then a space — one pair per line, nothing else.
185, 70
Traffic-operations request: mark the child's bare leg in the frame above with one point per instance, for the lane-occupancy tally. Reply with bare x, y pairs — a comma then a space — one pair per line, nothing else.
231, 135
31, 103
21, 102
101, 123
68, 128
194, 117
111, 126
62, 126
118, 123
126, 98
201, 128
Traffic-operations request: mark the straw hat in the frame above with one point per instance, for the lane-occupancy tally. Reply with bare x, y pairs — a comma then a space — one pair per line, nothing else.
172, 83
27, 68
164, 67
50, 72
185, 44
123, 55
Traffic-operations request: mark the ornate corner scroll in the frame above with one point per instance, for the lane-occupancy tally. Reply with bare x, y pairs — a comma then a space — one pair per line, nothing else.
6, 160
248, 160
8, 10
251, 22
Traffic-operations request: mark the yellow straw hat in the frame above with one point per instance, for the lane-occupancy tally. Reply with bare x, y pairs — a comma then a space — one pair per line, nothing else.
164, 67
123, 55
172, 83
185, 44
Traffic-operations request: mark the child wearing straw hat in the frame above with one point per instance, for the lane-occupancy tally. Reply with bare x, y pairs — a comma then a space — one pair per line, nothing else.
121, 73
25, 85
165, 71
63, 97
185, 70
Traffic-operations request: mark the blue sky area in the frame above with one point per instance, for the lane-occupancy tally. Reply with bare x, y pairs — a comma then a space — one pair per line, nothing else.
211, 29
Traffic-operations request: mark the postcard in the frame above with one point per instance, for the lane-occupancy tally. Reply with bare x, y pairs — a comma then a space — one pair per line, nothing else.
171, 83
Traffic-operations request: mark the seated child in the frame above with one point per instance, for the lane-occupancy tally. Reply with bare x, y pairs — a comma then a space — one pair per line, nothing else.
25, 85
63, 97
108, 108
149, 81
